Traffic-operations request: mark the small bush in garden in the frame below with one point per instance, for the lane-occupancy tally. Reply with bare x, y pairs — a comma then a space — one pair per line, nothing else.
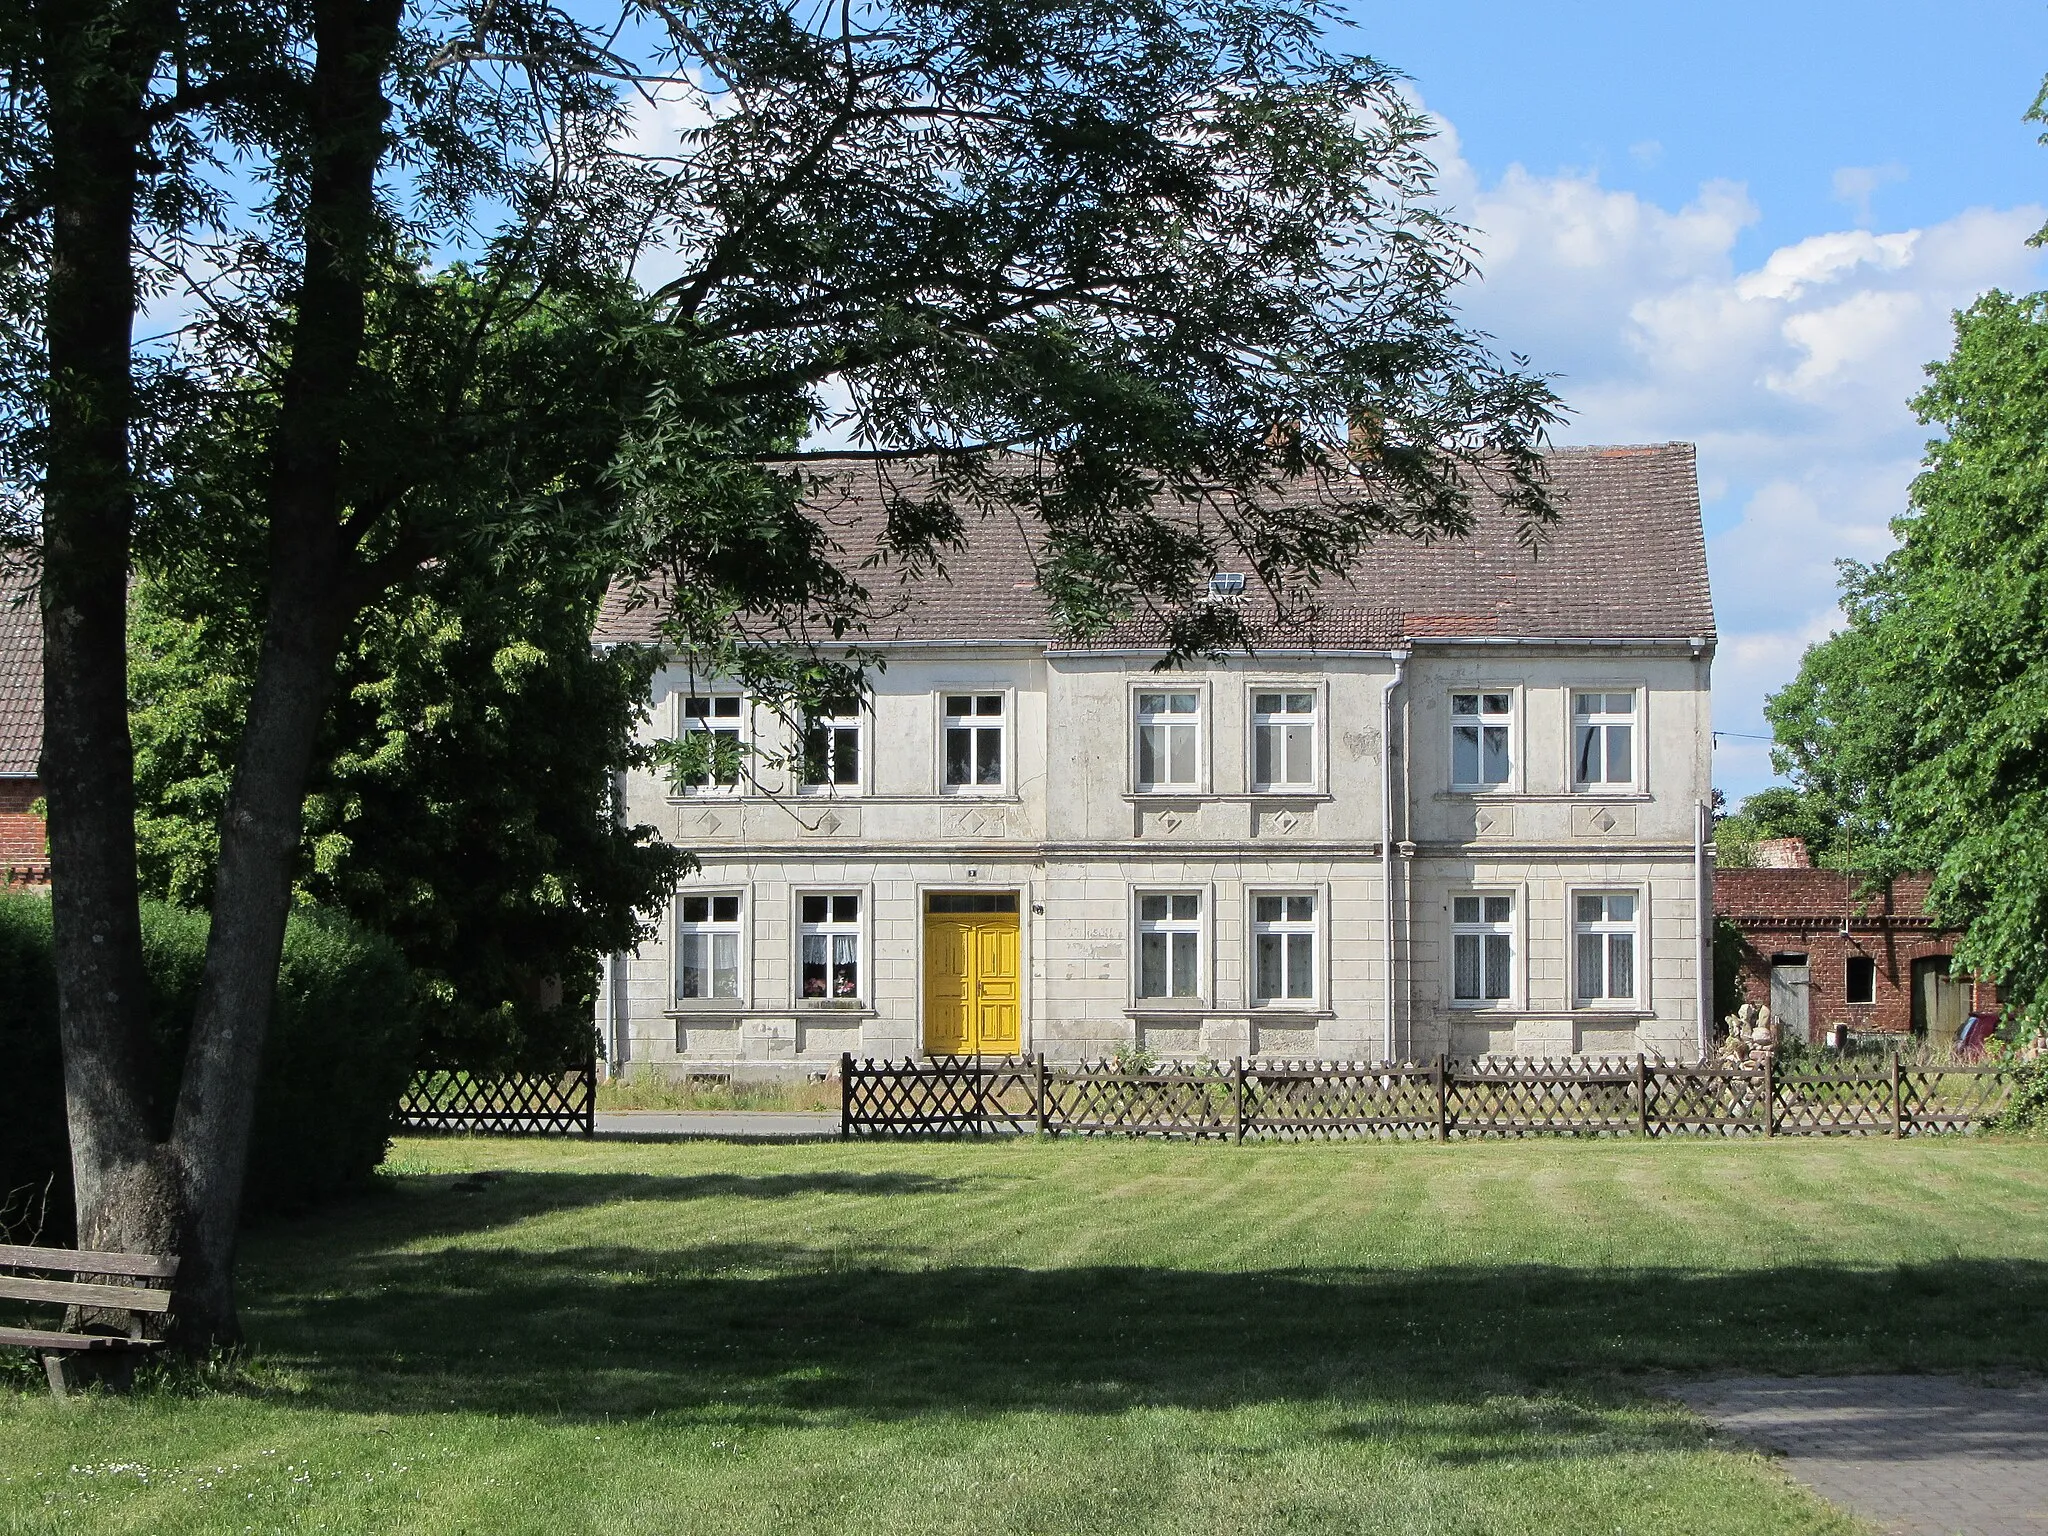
2027, 1109
341, 1046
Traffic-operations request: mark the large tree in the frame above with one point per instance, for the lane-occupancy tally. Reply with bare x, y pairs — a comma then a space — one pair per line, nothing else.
461, 800
1111, 268
1920, 730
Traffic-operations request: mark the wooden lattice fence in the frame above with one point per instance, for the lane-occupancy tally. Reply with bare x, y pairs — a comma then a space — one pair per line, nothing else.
514, 1104
1442, 1100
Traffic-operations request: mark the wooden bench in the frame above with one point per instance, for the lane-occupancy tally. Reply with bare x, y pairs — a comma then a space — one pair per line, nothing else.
127, 1290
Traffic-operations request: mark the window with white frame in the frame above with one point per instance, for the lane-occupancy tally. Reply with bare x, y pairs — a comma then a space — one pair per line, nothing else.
973, 734
1283, 739
1481, 724
829, 946
1169, 944
1169, 732
708, 947
1482, 948
832, 752
716, 718
1284, 947
1604, 946
1603, 740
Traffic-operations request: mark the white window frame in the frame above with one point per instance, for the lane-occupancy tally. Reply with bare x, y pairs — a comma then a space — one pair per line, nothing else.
855, 720
710, 927
831, 928
1195, 724
1486, 927
1603, 721
1257, 721
1508, 721
685, 723
1607, 929
1287, 927
1170, 927
1006, 723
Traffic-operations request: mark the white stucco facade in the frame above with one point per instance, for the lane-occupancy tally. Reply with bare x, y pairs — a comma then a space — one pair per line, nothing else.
1407, 887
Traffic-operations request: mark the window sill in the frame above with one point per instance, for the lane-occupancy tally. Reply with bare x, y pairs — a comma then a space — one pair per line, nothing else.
1585, 1014
1620, 797
1266, 1011
796, 1011
1231, 797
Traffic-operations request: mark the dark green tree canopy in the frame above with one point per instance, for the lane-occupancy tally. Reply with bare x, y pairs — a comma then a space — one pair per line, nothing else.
1920, 731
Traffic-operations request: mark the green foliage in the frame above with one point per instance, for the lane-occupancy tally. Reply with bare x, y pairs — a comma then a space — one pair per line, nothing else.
1730, 950
461, 800
1777, 811
1922, 727
340, 1048
2027, 1110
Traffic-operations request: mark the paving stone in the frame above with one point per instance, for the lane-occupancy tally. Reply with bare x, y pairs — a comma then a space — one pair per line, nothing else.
1915, 1455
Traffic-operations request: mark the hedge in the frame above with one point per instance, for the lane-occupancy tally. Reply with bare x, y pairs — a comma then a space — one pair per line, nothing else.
341, 1045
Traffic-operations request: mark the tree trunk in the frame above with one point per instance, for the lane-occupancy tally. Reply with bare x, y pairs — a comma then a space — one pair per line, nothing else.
124, 1174
314, 592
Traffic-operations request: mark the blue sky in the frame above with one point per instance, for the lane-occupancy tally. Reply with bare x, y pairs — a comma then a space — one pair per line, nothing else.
1743, 225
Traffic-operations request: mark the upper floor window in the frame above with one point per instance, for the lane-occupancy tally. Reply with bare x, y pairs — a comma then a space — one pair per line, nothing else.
832, 752
1284, 948
829, 946
1603, 740
1169, 944
1604, 946
708, 946
973, 734
716, 717
1482, 948
1169, 727
1480, 726
1283, 740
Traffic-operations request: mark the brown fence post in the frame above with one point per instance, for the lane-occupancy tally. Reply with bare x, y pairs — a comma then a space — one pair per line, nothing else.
1642, 1099
1237, 1099
845, 1094
1438, 1074
1038, 1092
1770, 1094
1898, 1104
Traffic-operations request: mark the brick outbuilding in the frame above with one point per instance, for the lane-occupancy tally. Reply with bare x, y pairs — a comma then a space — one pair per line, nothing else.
24, 847
1822, 951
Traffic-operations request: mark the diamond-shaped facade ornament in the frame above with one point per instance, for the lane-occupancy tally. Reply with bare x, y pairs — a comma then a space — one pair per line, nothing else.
708, 825
1604, 820
1284, 822
829, 823
1171, 821
1483, 822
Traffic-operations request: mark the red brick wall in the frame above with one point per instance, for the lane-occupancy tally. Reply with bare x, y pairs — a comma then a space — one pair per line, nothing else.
1803, 911
24, 850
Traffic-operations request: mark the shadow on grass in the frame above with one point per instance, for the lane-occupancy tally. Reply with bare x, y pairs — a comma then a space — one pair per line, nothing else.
776, 1333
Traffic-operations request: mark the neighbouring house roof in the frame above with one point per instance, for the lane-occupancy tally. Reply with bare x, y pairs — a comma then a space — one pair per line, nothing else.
21, 674
1626, 560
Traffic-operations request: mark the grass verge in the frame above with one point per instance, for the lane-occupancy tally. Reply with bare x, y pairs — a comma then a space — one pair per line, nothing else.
1057, 1337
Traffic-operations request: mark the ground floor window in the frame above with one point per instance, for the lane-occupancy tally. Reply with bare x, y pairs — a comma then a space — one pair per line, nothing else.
1284, 947
1482, 948
1860, 984
708, 946
1169, 943
1604, 946
829, 937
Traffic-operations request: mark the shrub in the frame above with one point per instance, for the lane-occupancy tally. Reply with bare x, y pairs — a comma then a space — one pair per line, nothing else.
341, 1046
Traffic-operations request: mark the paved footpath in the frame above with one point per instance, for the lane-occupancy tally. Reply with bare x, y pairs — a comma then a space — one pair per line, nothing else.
1917, 1455
782, 1125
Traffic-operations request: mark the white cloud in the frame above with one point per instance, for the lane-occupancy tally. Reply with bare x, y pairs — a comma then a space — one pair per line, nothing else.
1857, 184
1791, 373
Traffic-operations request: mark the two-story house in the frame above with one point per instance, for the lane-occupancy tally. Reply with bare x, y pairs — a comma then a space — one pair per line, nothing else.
1463, 810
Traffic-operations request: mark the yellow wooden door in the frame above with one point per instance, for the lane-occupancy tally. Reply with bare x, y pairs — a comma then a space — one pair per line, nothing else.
996, 986
972, 986
948, 985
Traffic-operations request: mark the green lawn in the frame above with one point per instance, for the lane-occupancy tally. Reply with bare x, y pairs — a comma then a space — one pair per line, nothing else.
1055, 1337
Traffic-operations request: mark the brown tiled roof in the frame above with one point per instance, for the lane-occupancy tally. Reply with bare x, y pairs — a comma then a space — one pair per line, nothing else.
1626, 559
21, 673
